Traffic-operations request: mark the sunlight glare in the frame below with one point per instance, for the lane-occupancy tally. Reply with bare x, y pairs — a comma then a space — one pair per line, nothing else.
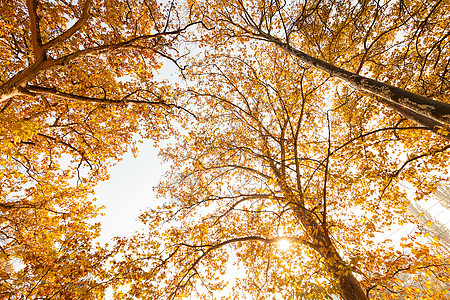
284, 245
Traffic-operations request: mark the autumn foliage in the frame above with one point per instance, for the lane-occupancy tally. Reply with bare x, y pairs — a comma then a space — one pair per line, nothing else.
76, 87
313, 122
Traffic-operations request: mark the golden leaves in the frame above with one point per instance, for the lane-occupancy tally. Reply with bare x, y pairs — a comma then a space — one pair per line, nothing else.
68, 70
258, 155
276, 148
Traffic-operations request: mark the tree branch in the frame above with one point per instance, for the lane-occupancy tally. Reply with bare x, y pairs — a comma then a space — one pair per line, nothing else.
36, 39
10, 88
246, 239
399, 170
33, 90
230, 241
68, 33
430, 109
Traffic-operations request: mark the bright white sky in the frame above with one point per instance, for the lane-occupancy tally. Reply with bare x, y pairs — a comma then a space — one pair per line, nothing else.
128, 192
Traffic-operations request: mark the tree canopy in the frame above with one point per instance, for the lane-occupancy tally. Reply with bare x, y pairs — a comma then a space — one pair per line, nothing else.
313, 122
383, 39
275, 156
76, 87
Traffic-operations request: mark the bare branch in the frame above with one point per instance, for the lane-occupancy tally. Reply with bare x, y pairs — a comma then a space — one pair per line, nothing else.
399, 170
36, 90
326, 174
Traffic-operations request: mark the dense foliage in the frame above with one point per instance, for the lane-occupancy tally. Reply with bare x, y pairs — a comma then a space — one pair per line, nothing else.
314, 122
76, 87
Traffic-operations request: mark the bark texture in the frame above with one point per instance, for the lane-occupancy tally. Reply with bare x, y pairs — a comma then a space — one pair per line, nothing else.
425, 111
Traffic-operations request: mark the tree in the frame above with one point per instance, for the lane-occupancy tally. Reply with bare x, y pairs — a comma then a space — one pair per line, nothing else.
382, 40
51, 253
76, 87
280, 152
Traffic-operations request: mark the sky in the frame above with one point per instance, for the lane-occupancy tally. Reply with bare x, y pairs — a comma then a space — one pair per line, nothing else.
128, 192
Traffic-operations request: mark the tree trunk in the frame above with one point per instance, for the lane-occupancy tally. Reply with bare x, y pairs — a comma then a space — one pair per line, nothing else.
430, 113
350, 288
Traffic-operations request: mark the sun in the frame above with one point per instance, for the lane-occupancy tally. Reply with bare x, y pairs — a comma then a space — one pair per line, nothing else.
284, 244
